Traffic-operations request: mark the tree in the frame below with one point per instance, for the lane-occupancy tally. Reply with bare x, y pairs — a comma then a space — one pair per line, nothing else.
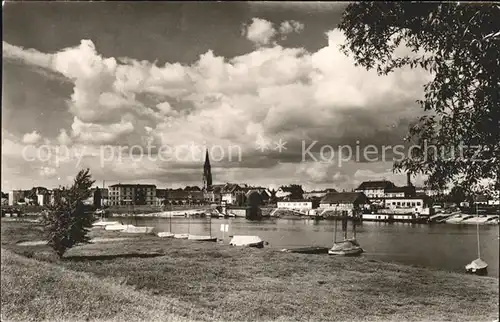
97, 198
140, 197
459, 45
66, 223
457, 195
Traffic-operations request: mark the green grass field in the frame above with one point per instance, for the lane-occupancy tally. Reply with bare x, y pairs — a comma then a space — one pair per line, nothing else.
180, 279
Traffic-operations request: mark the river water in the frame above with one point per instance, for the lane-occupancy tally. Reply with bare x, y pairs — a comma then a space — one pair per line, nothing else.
443, 246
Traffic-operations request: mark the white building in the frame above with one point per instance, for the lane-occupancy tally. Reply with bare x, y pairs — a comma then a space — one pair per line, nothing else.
296, 204
350, 203
404, 205
43, 199
375, 190
15, 197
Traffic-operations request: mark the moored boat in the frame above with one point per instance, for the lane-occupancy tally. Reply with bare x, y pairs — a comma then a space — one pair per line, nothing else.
181, 236
457, 219
349, 247
115, 227
202, 238
165, 234
131, 229
477, 266
103, 223
307, 250
249, 241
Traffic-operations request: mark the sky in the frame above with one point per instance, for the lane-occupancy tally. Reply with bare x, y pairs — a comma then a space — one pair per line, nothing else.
137, 91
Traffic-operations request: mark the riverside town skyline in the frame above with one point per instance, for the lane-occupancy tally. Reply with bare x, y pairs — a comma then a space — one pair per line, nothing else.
250, 161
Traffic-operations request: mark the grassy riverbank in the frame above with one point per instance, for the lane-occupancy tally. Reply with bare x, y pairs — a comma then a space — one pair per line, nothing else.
177, 279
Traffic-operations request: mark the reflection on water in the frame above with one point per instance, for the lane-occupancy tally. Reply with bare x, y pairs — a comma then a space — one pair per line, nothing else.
443, 246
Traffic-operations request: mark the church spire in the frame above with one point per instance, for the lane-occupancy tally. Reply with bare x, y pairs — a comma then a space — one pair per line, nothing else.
207, 173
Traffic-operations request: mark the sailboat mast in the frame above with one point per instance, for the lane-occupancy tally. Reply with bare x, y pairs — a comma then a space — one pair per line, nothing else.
170, 221
335, 231
477, 233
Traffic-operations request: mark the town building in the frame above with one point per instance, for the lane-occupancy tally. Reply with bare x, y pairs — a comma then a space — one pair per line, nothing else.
290, 192
375, 190
406, 205
317, 194
43, 199
55, 196
161, 197
400, 192
299, 205
345, 203
231, 194
132, 194
213, 195
16, 197
426, 191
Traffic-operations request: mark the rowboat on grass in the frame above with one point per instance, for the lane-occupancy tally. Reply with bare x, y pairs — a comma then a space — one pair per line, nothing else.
103, 223
248, 241
202, 238
307, 250
165, 234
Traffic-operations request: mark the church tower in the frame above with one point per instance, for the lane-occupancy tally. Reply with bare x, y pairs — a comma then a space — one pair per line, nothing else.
207, 173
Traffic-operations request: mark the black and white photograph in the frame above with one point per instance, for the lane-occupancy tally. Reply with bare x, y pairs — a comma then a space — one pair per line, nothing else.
250, 161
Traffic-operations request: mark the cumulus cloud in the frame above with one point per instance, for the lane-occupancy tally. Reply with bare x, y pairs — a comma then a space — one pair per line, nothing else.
260, 31
271, 92
290, 26
32, 138
63, 138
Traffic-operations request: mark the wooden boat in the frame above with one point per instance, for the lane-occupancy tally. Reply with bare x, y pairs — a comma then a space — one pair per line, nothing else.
102, 223
349, 247
116, 227
202, 238
131, 229
248, 241
165, 234
181, 236
307, 250
477, 266
346, 247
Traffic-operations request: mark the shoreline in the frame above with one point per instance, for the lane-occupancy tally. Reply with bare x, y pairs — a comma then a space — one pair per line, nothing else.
210, 281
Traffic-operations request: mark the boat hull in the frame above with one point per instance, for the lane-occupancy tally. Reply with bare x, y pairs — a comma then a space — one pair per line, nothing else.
202, 238
477, 267
348, 247
308, 250
351, 252
164, 234
247, 241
